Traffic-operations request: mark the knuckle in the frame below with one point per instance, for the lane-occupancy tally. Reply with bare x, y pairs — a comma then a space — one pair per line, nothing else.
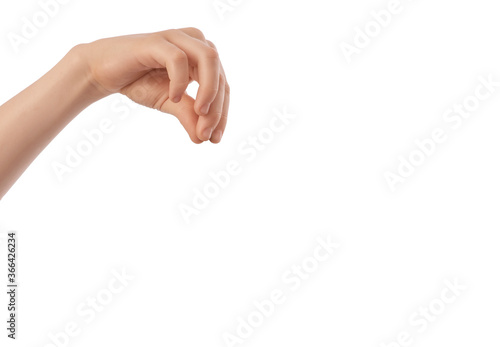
178, 56
211, 53
152, 40
227, 89
217, 114
172, 31
195, 32
210, 92
211, 44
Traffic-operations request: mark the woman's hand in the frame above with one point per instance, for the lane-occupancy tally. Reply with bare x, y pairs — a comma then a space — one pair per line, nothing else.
155, 69
151, 69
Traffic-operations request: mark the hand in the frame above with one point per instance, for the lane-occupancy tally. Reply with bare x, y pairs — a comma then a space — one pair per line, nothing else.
155, 69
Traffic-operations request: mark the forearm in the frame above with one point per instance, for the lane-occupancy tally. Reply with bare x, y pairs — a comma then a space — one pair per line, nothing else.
30, 120
152, 69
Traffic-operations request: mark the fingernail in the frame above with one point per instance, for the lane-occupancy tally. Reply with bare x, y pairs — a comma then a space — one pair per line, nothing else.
176, 99
205, 109
207, 134
217, 136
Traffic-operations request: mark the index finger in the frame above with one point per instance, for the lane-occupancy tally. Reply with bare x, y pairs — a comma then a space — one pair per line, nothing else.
207, 61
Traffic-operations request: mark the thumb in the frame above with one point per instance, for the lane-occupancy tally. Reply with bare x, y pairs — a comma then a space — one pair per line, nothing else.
184, 112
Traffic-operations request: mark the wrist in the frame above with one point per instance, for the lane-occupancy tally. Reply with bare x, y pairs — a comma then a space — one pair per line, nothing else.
78, 56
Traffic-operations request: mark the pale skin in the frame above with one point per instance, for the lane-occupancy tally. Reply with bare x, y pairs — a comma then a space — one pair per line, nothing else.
153, 70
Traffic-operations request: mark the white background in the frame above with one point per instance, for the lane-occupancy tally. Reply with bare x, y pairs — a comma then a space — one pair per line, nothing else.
323, 175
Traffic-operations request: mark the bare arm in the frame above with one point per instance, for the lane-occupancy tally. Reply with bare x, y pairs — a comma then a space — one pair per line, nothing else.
152, 69
30, 120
